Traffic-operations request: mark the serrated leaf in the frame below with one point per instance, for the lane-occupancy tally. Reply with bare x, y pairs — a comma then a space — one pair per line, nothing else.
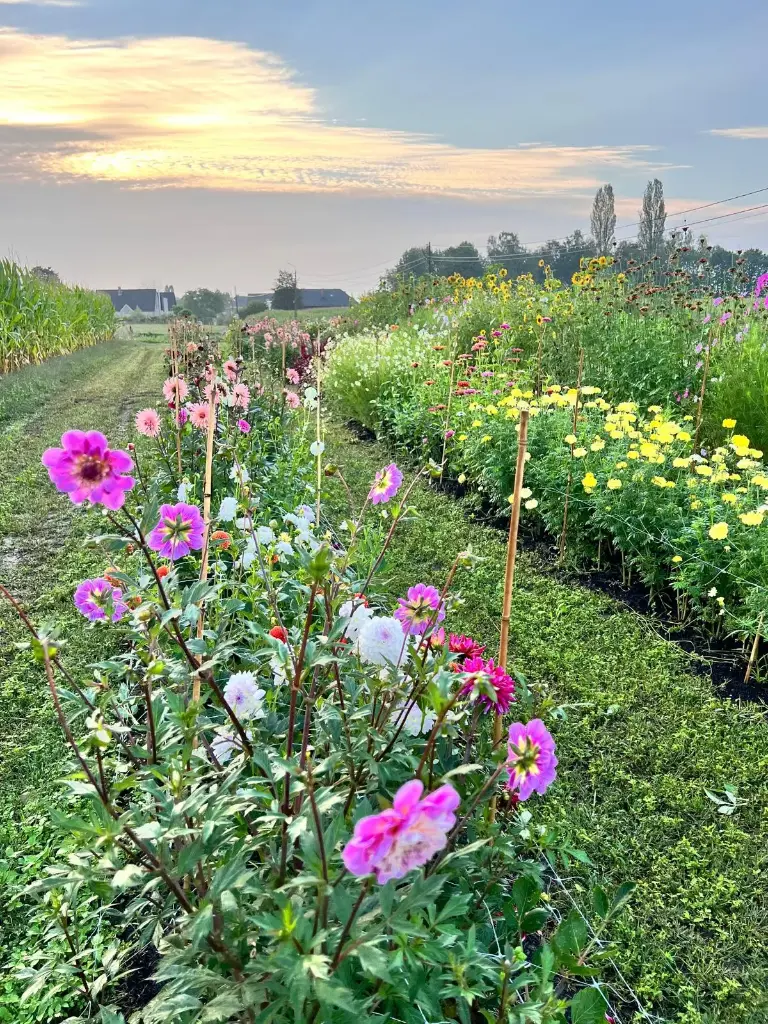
588, 1007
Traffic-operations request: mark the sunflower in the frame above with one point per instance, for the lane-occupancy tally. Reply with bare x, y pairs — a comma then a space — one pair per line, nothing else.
541, 263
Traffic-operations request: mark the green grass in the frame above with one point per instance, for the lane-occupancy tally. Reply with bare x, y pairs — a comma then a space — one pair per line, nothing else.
641, 736
42, 559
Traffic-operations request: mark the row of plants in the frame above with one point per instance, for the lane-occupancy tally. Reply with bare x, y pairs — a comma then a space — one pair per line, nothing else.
43, 318
287, 787
674, 488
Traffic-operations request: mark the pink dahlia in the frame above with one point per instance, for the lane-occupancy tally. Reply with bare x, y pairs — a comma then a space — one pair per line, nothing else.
465, 646
244, 426
230, 368
241, 395
179, 531
198, 415
421, 607
405, 836
148, 422
497, 689
88, 470
386, 484
98, 599
170, 387
292, 400
292, 375
532, 760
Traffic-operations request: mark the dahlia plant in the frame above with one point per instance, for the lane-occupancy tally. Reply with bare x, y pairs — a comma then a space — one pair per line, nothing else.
282, 784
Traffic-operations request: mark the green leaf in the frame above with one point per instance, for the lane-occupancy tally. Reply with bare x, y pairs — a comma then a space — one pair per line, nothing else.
201, 925
588, 1007
374, 961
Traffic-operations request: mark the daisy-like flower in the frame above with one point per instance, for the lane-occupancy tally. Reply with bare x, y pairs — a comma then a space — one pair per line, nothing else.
404, 837
380, 641
421, 607
198, 415
490, 676
532, 760
88, 470
179, 531
230, 369
386, 484
244, 426
417, 721
99, 599
171, 386
147, 422
241, 395
223, 745
244, 696
719, 531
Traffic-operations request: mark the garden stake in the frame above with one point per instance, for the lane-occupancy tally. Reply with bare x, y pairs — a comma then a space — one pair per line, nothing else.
319, 429
700, 411
755, 646
447, 413
570, 468
509, 575
206, 518
538, 360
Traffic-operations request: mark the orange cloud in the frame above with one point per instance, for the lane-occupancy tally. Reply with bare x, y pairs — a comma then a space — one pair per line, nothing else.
192, 112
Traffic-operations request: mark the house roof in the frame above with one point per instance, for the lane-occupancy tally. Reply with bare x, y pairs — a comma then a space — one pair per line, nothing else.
144, 299
323, 297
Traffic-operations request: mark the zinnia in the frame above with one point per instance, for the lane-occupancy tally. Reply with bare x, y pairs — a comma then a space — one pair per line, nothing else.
88, 470
148, 422
179, 531
386, 484
244, 426
532, 760
421, 607
404, 837
95, 599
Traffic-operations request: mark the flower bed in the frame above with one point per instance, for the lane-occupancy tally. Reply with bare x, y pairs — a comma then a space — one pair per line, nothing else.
282, 783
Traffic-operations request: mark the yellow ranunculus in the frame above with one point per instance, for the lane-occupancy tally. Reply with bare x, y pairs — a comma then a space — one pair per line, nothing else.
719, 531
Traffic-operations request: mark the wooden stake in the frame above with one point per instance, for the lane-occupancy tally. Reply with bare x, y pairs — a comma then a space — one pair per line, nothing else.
318, 429
755, 647
448, 411
538, 360
570, 468
206, 518
509, 575
700, 411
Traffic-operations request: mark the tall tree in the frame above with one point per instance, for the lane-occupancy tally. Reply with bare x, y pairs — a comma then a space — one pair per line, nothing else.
603, 219
653, 218
206, 304
286, 294
461, 259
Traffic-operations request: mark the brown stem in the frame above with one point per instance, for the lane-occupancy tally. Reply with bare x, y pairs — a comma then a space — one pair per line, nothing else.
350, 921
150, 720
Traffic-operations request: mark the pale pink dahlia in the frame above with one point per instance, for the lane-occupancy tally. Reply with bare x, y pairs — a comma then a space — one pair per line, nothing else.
148, 422
170, 387
497, 689
406, 836
198, 415
421, 607
292, 400
292, 375
230, 368
386, 484
179, 531
532, 760
88, 470
98, 599
241, 395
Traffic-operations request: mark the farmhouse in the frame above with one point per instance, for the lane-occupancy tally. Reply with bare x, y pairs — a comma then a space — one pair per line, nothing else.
144, 301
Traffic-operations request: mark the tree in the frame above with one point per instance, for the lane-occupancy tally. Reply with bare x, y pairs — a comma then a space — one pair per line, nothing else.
286, 294
461, 259
46, 274
415, 262
205, 304
507, 251
254, 307
603, 219
653, 218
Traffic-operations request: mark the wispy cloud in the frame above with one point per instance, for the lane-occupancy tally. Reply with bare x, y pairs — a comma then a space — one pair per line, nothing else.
754, 132
190, 112
44, 3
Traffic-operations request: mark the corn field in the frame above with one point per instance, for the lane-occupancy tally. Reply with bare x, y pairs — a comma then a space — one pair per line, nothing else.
40, 319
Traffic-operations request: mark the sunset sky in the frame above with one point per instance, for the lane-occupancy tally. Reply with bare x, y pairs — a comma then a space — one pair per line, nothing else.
201, 143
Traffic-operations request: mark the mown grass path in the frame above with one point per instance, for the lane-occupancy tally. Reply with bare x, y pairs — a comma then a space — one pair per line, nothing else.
42, 559
640, 736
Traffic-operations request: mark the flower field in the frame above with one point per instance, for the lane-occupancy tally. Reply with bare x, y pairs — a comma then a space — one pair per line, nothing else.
40, 319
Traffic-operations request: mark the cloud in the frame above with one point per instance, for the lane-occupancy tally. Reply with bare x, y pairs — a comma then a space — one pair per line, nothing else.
754, 132
45, 3
205, 113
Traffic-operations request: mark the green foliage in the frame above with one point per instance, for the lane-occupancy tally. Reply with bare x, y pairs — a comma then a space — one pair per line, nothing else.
40, 317
205, 303
253, 308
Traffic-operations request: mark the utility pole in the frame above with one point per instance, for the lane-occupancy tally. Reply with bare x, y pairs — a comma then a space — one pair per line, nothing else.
429, 259
295, 294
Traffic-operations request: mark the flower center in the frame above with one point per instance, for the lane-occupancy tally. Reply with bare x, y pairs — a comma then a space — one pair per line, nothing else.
92, 468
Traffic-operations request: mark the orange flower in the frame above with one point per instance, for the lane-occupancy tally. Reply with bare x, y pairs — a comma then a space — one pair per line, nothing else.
223, 538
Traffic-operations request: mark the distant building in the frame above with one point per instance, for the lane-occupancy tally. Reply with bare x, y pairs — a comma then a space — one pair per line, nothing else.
322, 298
241, 301
146, 301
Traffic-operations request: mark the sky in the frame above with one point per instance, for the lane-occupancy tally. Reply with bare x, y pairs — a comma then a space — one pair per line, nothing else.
210, 143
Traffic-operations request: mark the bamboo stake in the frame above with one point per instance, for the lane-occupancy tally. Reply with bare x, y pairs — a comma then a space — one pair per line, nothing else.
206, 518
318, 428
755, 647
448, 411
570, 468
700, 411
509, 574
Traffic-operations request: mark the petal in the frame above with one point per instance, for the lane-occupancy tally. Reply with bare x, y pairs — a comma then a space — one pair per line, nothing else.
407, 797
74, 441
96, 442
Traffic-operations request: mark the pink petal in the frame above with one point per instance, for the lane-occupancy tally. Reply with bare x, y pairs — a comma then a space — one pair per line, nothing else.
407, 797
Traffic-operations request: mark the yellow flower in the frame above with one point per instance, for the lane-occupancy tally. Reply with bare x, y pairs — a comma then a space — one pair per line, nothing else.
704, 470
462, 437
597, 445
477, 423
730, 499
462, 478
486, 438
683, 435
655, 409
719, 531
695, 504
525, 492
729, 424
621, 465
570, 439
740, 441
679, 463
531, 503
659, 481
613, 484
589, 481
541, 263
751, 518
677, 559
633, 455
579, 453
